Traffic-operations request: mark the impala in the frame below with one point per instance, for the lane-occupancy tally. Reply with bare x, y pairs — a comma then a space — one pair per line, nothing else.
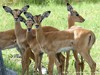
8, 41
75, 38
20, 39
73, 17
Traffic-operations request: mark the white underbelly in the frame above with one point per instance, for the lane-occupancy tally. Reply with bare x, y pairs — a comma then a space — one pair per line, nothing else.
64, 49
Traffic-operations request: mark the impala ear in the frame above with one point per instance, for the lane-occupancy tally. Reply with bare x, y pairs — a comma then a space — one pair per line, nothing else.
7, 9
28, 15
25, 8
69, 7
22, 19
46, 14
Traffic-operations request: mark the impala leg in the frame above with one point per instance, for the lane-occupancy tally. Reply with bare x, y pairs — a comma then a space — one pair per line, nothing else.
90, 61
23, 69
29, 54
32, 55
61, 59
59, 66
36, 62
28, 67
77, 63
39, 63
23, 65
19, 50
67, 62
82, 65
25, 62
38, 58
51, 63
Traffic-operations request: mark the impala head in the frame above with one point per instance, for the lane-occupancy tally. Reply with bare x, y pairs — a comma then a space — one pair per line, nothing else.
37, 19
74, 15
15, 12
29, 23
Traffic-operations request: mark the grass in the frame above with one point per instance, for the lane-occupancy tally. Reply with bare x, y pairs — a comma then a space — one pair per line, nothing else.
57, 19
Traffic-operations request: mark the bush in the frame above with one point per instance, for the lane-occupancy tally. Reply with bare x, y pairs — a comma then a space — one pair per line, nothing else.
45, 2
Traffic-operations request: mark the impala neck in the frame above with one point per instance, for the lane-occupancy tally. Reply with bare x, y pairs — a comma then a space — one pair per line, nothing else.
71, 22
18, 28
40, 34
29, 34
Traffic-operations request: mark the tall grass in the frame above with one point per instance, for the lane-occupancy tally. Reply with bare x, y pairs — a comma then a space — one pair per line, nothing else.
57, 19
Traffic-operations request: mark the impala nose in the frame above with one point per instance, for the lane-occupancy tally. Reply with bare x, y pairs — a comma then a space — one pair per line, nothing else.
36, 26
82, 20
16, 19
29, 29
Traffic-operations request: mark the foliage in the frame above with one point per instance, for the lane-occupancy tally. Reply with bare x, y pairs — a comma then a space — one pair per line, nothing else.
44, 2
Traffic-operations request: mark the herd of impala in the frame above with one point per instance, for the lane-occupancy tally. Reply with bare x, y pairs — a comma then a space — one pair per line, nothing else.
32, 43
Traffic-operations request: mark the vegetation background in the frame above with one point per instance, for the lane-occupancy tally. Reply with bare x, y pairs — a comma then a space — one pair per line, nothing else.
89, 9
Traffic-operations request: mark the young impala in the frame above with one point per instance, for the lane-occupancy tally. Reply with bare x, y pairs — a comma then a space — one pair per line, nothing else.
75, 38
73, 17
20, 35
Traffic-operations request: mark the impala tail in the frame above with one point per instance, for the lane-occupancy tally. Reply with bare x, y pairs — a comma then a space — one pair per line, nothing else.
92, 39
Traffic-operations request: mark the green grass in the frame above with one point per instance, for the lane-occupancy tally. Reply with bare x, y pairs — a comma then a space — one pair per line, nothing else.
57, 19
45, 2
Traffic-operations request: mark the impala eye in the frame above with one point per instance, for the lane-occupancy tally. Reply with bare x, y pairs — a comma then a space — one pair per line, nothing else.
77, 14
37, 26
